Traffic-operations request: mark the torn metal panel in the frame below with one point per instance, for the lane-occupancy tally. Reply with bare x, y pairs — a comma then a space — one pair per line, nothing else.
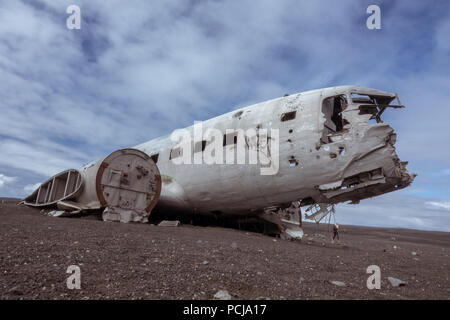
71, 206
319, 211
331, 185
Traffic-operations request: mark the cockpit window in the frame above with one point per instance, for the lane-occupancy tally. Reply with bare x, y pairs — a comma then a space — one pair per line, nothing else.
332, 108
373, 105
362, 98
288, 116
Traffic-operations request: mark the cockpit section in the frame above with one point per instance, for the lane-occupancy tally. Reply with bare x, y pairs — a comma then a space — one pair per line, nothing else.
360, 106
353, 134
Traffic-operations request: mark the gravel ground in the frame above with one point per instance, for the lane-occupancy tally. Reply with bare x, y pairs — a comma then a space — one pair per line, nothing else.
143, 261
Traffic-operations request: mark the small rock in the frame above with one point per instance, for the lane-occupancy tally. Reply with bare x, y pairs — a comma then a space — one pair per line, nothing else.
338, 283
205, 262
414, 253
319, 235
395, 247
56, 213
16, 291
396, 282
222, 295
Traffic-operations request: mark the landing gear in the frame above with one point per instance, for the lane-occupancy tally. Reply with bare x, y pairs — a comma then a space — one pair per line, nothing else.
288, 220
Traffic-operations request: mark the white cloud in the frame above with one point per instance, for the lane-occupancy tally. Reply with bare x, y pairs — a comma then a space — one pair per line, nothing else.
397, 210
29, 188
439, 204
5, 180
40, 157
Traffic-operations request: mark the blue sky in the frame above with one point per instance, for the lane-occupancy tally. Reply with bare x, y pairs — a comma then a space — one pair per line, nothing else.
140, 69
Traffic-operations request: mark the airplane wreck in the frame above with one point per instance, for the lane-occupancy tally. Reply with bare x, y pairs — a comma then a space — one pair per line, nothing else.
327, 146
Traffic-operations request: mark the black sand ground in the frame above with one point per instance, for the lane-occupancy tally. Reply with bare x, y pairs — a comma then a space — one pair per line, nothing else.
142, 261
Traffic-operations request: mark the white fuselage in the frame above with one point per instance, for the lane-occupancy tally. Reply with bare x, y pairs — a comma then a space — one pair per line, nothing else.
306, 166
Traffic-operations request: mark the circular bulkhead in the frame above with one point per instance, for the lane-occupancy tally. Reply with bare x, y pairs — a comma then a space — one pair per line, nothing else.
127, 183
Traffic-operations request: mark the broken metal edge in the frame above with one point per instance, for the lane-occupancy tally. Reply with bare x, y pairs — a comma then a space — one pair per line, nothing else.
50, 197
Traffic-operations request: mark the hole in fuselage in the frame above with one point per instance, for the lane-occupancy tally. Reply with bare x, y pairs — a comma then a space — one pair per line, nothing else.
332, 108
293, 162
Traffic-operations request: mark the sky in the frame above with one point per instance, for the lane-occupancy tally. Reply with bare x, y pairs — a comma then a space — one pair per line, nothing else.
137, 70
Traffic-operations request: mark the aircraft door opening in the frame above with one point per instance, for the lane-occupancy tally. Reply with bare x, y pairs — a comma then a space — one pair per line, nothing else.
332, 108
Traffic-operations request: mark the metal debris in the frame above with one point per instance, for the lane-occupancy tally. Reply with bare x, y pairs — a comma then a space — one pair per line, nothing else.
396, 282
222, 295
58, 213
168, 223
338, 283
